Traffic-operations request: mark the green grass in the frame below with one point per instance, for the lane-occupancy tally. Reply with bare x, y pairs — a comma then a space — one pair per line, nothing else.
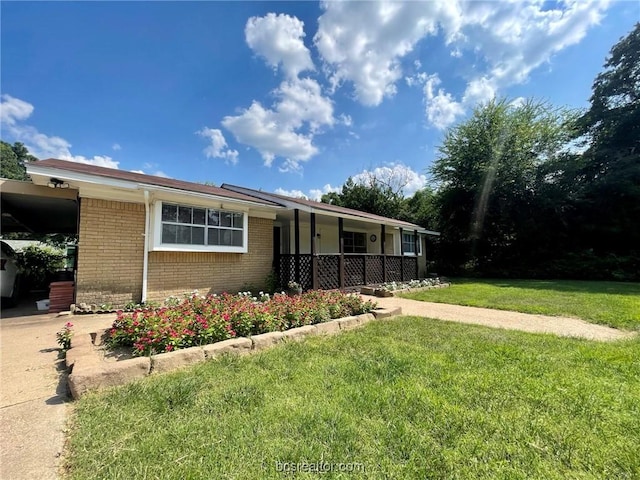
405, 398
610, 303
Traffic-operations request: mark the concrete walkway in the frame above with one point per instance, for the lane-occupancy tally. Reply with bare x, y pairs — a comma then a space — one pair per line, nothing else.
563, 326
33, 397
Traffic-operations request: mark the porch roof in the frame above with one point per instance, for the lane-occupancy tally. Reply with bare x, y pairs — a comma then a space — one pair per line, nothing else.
326, 208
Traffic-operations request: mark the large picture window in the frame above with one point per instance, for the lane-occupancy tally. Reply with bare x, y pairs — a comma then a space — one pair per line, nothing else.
409, 244
182, 225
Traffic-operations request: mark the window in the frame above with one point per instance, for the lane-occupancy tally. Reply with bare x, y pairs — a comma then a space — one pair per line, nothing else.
409, 244
355, 242
220, 230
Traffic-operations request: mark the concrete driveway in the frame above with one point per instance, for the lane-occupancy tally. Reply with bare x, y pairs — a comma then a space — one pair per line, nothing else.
33, 397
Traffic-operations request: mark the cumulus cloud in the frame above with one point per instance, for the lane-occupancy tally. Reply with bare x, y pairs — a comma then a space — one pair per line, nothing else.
397, 176
218, 147
13, 114
278, 39
312, 194
287, 128
364, 43
440, 107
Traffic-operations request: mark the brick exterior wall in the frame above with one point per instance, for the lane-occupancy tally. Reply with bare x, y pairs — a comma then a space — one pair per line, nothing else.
174, 273
110, 252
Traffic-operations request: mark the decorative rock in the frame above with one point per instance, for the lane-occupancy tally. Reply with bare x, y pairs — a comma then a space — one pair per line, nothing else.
94, 377
386, 312
298, 334
365, 318
348, 323
266, 340
165, 362
328, 328
367, 290
234, 345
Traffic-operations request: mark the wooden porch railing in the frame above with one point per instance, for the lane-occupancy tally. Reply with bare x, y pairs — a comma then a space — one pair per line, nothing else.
359, 269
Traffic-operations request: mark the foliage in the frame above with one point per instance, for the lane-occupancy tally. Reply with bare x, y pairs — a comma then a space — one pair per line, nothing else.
372, 195
64, 336
12, 160
491, 190
407, 398
611, 303
39, 264
199, 320
425, 282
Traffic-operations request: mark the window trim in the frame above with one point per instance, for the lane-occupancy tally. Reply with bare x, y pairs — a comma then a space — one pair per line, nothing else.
419, 242
158, 246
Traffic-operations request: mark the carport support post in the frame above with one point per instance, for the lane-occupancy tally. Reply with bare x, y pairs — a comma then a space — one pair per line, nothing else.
314, 257
401, 257
383, 251
341, 251
296, 242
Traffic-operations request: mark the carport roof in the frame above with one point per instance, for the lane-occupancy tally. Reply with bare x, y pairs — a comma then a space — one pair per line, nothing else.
36, 209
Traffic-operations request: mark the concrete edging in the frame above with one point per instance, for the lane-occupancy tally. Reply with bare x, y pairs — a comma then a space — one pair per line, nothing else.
89, 373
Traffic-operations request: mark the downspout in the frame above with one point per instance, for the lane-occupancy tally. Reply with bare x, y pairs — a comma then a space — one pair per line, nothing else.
145, 263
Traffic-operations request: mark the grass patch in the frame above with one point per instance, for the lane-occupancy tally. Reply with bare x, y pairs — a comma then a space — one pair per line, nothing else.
406, 398
610, 303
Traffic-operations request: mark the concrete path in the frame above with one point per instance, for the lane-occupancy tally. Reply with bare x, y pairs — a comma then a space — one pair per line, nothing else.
563, 326
33, 395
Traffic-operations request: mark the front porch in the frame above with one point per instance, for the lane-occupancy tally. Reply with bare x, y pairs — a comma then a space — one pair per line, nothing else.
324, 251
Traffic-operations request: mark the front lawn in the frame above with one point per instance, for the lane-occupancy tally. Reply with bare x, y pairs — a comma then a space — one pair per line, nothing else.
610, 303
404, 398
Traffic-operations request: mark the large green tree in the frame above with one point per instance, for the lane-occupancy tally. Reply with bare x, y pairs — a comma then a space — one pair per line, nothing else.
608, 173
490, 184
12, 160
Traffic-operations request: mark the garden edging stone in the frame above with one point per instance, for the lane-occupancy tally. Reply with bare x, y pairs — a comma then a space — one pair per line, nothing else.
168, 361
90, 372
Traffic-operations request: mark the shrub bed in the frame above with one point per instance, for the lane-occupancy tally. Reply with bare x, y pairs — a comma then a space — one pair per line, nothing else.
199, 320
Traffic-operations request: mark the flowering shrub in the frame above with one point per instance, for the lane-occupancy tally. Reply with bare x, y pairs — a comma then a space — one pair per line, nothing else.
64, 336
199, 320
393, 286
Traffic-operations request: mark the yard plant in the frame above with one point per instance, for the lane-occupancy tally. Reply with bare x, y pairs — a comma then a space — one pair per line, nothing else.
199, 319
405, 398
616, 304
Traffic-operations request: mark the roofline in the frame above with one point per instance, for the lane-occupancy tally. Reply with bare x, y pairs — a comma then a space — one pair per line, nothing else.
64, 174
290, 202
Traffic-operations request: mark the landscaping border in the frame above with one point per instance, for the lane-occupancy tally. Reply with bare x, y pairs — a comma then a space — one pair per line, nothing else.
89, 372
383, 292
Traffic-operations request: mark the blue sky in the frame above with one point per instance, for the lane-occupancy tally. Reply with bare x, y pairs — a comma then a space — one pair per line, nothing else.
291, 97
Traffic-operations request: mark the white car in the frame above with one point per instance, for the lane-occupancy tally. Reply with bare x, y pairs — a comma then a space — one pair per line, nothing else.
9, 278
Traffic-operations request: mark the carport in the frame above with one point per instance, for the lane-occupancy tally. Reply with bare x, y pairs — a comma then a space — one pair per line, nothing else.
38, 209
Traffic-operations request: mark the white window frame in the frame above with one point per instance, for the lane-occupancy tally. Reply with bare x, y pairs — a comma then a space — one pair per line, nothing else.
419, 242
171, 247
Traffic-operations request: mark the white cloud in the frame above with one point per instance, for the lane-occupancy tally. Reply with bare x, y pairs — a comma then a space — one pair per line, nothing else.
116, 146
345, 120
440, 107
287, 129
364, 43
278, 39
218, 147
15, 111
313, 194
290, 193
479, 90
396, 175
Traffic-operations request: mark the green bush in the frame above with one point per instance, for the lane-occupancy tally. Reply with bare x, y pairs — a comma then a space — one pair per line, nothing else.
38, 265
